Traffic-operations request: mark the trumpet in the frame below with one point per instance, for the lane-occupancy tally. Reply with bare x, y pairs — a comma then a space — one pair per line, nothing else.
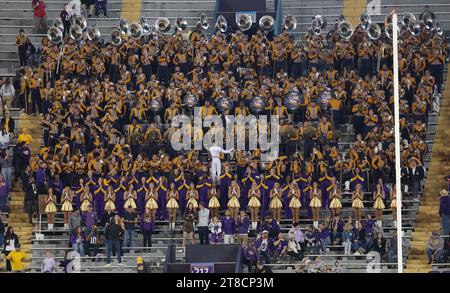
244, 22
181, 23
221, 23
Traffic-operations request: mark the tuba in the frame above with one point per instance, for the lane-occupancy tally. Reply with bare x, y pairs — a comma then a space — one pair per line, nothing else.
190, 100
135, 30
407, 19
78, 20
374, 31
57, 22
345, 29
93, 33
266, 23
257, 104
76, 32
123, 26
365, 20
438, 28
414, 27
181, 23
162, 25
244, 22
289, 22
428, 19
203, 21
54, 35
221, 23
146, 27
116, 37
389, 30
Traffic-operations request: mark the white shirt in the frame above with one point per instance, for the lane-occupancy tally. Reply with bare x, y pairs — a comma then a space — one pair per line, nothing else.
11, 246
216, 150
7, 90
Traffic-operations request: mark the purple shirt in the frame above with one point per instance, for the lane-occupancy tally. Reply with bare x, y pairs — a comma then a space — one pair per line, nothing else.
444, 206
4, 189
228, 225
90, 219
243, 226
147, 225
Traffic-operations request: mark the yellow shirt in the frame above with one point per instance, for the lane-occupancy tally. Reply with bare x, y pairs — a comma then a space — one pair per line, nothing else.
16, 258
25, 137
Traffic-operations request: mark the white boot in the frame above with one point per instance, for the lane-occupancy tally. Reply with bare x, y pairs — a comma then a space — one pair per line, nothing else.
316, 224
50, 226
254, 225
395, 223
379, 223
66, 226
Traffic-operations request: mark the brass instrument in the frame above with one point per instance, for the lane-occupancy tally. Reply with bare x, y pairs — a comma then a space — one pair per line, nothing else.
162, 25
365, 20
203, 21
345, 30
181, 23
78, 20
55, 35
123, 26
135, 30
116, 37
57, 22
76, 32
266, 23
289, 23
221, 23
374, 31
244, 22
93, 33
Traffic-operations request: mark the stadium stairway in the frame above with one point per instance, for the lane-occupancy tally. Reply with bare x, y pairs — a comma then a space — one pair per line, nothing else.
428, 219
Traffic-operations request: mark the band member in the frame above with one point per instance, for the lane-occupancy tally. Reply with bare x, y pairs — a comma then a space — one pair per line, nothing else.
335, 197
66, 205
315, 203
357, 201
213, 203
294, 201
215, 163
50, 208
254, 203
275, 202
151, 200
378, 205
234, 192
172, 204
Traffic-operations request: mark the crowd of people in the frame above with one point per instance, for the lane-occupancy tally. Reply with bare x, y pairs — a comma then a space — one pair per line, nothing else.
106, 119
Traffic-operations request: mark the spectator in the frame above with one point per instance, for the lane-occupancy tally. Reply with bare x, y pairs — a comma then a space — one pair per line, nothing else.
40, 17
93, 242
100, 5
17, 257
347, 238
324, 236
359, 239
65, 18
203, 224
7, 94
249, 255
294, 249
48, 263
77, 240
444, 211
298, 235
416, 176
262, 268
379, 244
90, 6
5, 166
25, 137
435, 248
141, 266
19, 161
113, 233
31, 199
5, 138
279, 247
188, 225
89, 219
7, 122
130, 220
229, 228
107, 216
446, 254
11, 242
4, 193
264, 246
337, 228
75, 220
391, 247
84, 11
243, 228
215, 231
2, 231
147, 227
22, 47
312, 243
